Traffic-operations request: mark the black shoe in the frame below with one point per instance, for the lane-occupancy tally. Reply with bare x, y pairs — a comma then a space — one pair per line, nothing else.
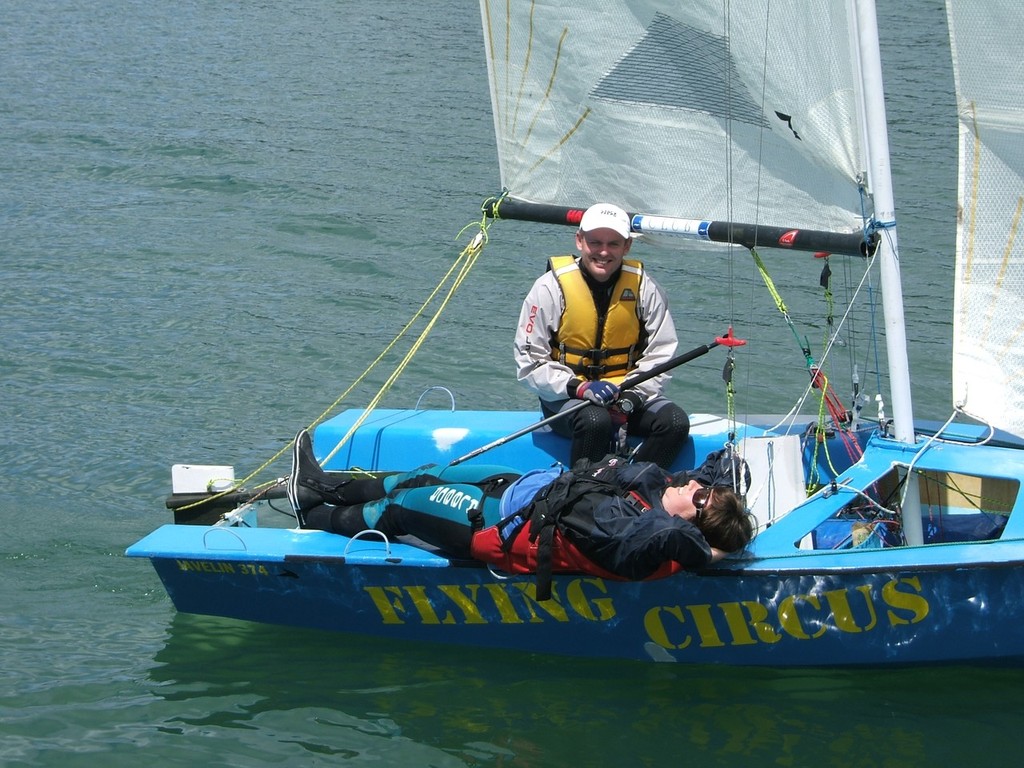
300, 496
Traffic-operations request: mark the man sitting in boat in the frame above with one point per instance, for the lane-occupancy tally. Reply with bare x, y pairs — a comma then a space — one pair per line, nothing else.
615, 518
586, 323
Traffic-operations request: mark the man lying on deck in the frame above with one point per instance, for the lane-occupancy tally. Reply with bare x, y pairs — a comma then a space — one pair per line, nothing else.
613, 518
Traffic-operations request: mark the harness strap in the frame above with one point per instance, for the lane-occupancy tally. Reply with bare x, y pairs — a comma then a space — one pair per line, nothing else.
639, 500
546, 512
596, 354
495, 485
545, 543
595, 369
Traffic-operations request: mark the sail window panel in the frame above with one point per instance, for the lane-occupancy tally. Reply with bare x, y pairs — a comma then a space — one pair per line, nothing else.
675, 65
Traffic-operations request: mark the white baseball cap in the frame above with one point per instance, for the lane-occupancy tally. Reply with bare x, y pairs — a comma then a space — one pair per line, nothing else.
605, 216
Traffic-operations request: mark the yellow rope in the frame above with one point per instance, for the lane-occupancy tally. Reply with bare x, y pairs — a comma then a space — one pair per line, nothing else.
820, 442
770, 285
465, 263
461, 268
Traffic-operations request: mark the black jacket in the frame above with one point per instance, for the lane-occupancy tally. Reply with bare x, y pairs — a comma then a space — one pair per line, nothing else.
612, 513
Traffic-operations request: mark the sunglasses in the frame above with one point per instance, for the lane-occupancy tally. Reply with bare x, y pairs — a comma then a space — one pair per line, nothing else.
701, 497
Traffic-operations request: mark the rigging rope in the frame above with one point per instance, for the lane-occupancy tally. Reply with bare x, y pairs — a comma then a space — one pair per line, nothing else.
829, 404
462, 266
457, 273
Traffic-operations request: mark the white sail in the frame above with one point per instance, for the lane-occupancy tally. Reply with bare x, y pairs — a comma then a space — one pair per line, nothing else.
988, 324
675, 108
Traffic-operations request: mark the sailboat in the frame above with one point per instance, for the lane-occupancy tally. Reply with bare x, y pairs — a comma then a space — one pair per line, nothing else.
728, 133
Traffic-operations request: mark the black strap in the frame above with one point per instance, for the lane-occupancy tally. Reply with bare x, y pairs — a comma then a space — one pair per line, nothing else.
596, 369
496, 485
546, 513
544, 544
596, 354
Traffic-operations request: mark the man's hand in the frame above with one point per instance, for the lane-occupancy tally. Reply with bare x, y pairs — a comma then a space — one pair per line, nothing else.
598, 392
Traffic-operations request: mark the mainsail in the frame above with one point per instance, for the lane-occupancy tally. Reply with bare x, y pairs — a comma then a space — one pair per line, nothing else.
680, 108
988, 353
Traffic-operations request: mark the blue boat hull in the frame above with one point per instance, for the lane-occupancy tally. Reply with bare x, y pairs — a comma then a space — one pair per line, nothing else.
855, 613
792, 600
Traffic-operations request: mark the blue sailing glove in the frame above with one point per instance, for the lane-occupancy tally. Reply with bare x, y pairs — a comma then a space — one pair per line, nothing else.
598, 392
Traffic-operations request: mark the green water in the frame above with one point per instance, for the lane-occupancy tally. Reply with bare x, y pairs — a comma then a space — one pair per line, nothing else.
213, 216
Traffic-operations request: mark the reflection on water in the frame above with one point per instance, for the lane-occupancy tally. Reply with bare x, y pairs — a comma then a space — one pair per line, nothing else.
328, 693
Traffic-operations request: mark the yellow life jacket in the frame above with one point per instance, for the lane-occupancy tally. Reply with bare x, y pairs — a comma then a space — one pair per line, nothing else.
595, 351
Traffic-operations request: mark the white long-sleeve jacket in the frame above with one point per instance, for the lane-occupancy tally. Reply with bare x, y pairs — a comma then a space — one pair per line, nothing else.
538, 324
